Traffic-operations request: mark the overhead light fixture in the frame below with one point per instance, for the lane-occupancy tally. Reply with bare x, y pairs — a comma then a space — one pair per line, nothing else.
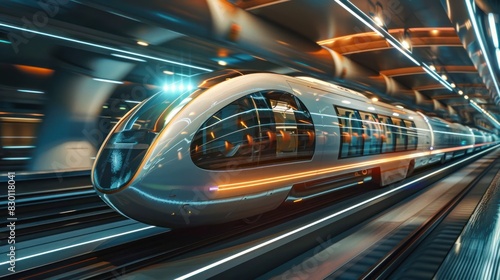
31, 91
168, 72
466, 96
346, 102
432, 67
444, 77
374, 99
222, 63
435, 32
460, 92
102, 46
142, 43
133, 101
128, 57
378, 17
453, 85
400, 107
406, 42
436, 76
107, 81
493, 29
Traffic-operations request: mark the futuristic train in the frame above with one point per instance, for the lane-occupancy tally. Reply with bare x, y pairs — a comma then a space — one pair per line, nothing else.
243, 143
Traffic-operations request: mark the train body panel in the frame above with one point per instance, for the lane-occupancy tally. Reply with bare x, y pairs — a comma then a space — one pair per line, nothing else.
241, 145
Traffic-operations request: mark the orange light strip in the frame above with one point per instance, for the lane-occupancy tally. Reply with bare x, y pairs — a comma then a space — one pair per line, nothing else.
308, 174
34, 70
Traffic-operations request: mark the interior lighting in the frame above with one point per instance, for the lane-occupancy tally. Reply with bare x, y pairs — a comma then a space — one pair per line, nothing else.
378, 17
4, 41
222, 63
166, 72
466, 96
107, 81
460, 92
374, 99
493, 29
142, 43
453, 85
31, 91
128, 57
444, 77
432, 67
406, 43
498, 57
165, 87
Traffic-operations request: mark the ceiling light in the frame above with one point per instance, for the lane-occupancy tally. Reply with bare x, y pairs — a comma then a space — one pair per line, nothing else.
460, 92
432, 67
378, 21
128, 57
31, 91
493, 29
466, 96
165, 87
400, 107
168, 72
108, 81
374, 99
142, 43
378, 17
222, 63
453, 85
444, 77
405, 44
346, 102
435, 31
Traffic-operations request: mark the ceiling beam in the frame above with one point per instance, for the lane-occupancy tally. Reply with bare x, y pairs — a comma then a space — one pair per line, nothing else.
370, 41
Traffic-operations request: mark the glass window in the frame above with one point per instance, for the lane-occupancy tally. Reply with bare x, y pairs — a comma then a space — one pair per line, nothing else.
412, 135
400, 134
371, 134
350, 129
258, 129
387, 135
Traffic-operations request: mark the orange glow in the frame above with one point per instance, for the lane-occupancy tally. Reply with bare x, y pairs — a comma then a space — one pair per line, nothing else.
297, 200
34, 70
313, 173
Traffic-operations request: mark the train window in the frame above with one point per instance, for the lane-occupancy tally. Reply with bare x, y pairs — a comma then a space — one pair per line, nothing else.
258, 129
371, 134
351, 131
387, 135
412, 135
400, 134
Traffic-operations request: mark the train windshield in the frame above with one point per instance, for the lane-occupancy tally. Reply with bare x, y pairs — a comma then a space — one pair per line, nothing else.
124, 151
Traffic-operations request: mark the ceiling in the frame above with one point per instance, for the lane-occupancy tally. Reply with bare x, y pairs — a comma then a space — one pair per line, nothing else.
44, 38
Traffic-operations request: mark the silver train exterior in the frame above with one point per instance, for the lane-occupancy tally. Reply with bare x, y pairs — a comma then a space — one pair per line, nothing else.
242, 144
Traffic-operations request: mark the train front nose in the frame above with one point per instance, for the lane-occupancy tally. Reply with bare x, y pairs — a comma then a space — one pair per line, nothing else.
120, 158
